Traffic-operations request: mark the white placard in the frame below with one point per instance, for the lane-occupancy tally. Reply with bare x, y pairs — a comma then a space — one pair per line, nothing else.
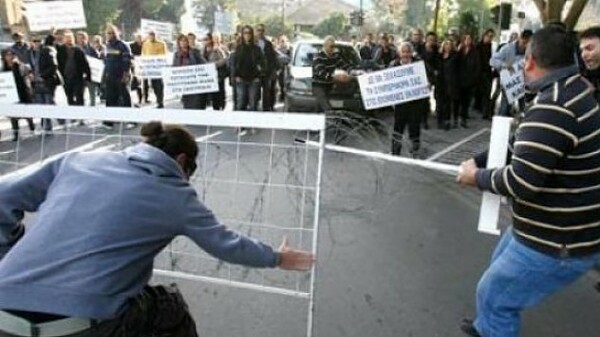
163, 30
513, 83
223, 22
97, 68
8, 88
197, 79
394, 85
151, 67
490, 205
45, 15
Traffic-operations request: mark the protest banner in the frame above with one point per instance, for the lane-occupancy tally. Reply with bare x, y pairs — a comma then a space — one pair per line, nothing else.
8, 88
394, 85
513, 83
45, 15
97, 68
223, 22
163, 30
150, 67
197, 79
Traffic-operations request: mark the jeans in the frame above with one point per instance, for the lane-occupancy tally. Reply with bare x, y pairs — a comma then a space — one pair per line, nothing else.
520, 277
247, 92
158, 311
48, 99
92, 92
506, 109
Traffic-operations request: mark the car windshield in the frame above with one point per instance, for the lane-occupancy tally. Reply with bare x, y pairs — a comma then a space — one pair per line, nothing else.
306, 52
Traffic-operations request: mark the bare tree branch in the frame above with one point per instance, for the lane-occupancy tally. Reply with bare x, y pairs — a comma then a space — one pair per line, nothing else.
577, 8
555, 9
541, 6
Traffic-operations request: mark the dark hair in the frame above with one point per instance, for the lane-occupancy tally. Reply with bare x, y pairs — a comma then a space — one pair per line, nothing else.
248, 27
172, 140
430, 34
552, 48
528, 33
590, 33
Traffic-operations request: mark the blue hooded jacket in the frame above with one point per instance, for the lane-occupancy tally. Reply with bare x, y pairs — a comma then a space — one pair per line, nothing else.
101, 219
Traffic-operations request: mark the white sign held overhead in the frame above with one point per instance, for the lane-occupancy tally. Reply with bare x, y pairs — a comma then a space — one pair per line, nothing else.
490, 206
151, 67
513, 83
394, 86
163, 30
8, 88
223, 22
197, 79
97, 68
45, 15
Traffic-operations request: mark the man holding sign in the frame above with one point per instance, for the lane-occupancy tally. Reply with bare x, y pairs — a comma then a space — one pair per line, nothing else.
553, 181
155, 47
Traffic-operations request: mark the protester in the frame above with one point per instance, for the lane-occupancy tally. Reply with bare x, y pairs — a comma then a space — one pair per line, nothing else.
22, 75
285, 55
507, 58
249, 68
192, 40
76, 71
153, 46
90, 51
101, 48
187, 56
97, 257
384, 54
46, 76
469, 70
408, 113
448, 89
484, 87
417, 42
325, 64
136, 80
20, 48
431, 59
214, 52
269, 72
367, 51
590, 53
553, 181
233, 45
117, 71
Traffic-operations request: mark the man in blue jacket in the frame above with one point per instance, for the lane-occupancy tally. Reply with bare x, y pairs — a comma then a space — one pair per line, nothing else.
117, 70
81, 267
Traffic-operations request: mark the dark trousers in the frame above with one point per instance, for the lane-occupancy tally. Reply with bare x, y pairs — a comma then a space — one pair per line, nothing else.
268, 92
158, 88
218, 98
466, 96
14, 123
47, 97
485, 92
321, 94
404, 117
281, 84
247, 92
448, 108
158, 311
117, 95
74, 91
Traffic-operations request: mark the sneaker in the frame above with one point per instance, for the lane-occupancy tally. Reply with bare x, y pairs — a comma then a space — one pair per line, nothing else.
467, 327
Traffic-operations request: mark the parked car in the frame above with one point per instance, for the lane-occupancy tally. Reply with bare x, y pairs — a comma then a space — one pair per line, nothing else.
299, 96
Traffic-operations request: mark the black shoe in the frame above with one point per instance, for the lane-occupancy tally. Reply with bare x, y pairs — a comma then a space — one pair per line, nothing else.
160, 106
426, 126
467, 327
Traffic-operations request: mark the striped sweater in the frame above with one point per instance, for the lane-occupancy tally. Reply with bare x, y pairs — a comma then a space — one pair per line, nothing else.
553, 176
324, 65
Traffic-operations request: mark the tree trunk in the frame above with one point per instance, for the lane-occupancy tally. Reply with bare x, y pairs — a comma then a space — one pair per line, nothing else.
554, 10
541, 6
577, 8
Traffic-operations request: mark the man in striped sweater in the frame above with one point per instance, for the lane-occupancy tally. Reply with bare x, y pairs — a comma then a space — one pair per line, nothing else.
553, 180
325, 64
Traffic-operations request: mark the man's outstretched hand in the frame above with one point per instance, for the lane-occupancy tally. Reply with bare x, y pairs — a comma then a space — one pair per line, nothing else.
293, 259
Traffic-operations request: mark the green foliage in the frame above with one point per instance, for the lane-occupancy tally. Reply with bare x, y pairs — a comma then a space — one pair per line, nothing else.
468, 24
99, 13
275, 26
334, 25
470, 16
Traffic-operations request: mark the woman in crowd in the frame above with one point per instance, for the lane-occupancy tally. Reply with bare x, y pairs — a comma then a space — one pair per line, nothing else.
21, 72
249, 65
214, 52
484, 51
46, 76
469, 70
285, 55
187, 56
408, 113
448, 91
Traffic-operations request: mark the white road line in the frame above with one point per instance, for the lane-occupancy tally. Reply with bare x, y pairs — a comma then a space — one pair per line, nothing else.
208, 137
7, 152
457, 144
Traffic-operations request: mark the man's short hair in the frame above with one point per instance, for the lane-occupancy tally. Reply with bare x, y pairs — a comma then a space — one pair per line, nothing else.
431, 34
552, 48
527, 34
590, 33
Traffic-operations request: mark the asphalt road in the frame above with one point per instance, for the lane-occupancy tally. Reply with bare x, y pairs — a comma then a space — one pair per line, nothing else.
399, 254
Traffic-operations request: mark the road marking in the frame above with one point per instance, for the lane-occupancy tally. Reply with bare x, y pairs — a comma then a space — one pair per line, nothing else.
457, 145
208, 137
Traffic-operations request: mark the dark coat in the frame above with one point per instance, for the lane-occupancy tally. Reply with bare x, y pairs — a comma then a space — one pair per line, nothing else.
484, 50
594, 77
249, 63
81, 71
431, 60
367, 52
271, 60
449, 77
469, 68
47, 70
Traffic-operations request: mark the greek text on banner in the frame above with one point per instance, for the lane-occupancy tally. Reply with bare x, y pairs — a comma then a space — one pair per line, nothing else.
394, 86
150, 67
97, 68
513, 83
8, 88
197, 79
45, 15
163, 30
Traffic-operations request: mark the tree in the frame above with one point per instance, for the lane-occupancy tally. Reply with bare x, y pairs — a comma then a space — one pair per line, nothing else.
136, 10
334, 25
205, 10
99, 13
552, 11
275, 26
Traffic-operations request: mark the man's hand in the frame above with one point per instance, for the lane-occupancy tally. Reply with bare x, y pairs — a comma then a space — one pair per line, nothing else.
293, 259
341, 77
466, 173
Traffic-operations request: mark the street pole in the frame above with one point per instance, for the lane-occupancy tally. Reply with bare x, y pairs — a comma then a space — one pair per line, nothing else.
361, 16
437, 13
283, 15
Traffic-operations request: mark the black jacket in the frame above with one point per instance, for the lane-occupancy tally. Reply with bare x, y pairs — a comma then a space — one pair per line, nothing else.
367, 52
270, 56
448, 77
430, 58
469, 68
249, 63
594, 77
484, 51
47, 68
80, 69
